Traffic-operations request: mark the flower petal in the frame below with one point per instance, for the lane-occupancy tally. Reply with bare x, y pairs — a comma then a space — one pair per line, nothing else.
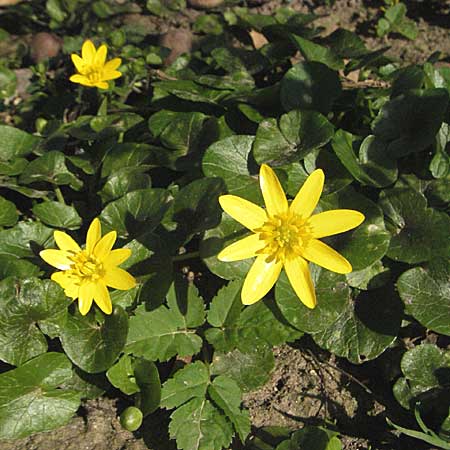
117, 257
323, 255
100, 56
88, 52
111, 75
243, 211
80, 79
118, 278
56, 258
94, 234
335, 221
102, 298
242, 249
112, 65
104, 245
101, 84
85, 297
274, 196
62, 279
308, 196
78, 63
299, 276
65, 242
260, 279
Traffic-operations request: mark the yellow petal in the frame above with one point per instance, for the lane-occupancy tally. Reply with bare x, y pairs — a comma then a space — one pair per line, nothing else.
101, 84
243, 211
111, 75
80, 79
112, 65
274, 196
118, 278
335, 221
102, 298
299, 276
308, 196
65, 242
242, 249
78, 63
56, 258
86, 295
100, 56
323, 255
93, 235
117, 257
62, 279
260, 279
88, 52
104, 245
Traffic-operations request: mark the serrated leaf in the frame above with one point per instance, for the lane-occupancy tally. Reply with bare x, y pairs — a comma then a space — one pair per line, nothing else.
291, 137
426, 294
228, 159
418, 233
189, 382
226, 394
31, 399
57, 215
92, 345
24, 304
208, 428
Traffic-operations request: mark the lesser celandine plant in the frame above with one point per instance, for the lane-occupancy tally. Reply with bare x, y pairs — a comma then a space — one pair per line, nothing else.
181, 314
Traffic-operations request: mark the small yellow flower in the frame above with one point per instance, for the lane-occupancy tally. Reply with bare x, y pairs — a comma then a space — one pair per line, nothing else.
85, 274
286, 236
92, 68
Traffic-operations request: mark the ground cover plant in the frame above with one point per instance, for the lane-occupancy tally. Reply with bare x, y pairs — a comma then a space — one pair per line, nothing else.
168, 219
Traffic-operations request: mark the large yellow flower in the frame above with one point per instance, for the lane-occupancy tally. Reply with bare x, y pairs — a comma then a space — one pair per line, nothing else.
286, 236
92, 68
85, 274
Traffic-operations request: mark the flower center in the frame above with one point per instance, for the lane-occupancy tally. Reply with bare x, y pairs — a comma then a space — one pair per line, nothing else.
284, 235
94, 74
87, 267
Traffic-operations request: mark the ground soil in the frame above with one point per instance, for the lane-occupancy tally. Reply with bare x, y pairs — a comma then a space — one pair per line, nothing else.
307, 386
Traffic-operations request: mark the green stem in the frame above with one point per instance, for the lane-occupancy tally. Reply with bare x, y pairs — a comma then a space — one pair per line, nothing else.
184, 256
59, 195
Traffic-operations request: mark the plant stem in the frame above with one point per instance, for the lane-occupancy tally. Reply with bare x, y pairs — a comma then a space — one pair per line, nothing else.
59, 195
184, 256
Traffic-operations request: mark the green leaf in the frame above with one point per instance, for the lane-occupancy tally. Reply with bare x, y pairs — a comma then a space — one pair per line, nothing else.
208, 428
8, 213
310, 85
147, 377
367, 243
94, 342
318, 53
426, 294
250, 368
226, 394
172, 330
228, 159
312, 438
358, 329
24, 305
50, 167
291, 137
57, 215
409, 123
121, 375
373, 167
31, 399
136, 212
418, 233
15, 143
18, 241
189, 382
13, 266
372, 277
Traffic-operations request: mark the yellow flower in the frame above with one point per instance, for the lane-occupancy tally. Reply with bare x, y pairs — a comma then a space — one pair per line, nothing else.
92, 68
85, 274
286, 236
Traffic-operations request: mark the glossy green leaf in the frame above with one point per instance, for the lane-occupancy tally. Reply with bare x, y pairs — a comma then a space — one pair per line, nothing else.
31, 399
310, 85
24, 305
15, 143
312, 438
121, 375
372, 277
228, 159
426, 294
418, 233
94, 342
291, 137
148, 398
57, 215
11, 266
8, 213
